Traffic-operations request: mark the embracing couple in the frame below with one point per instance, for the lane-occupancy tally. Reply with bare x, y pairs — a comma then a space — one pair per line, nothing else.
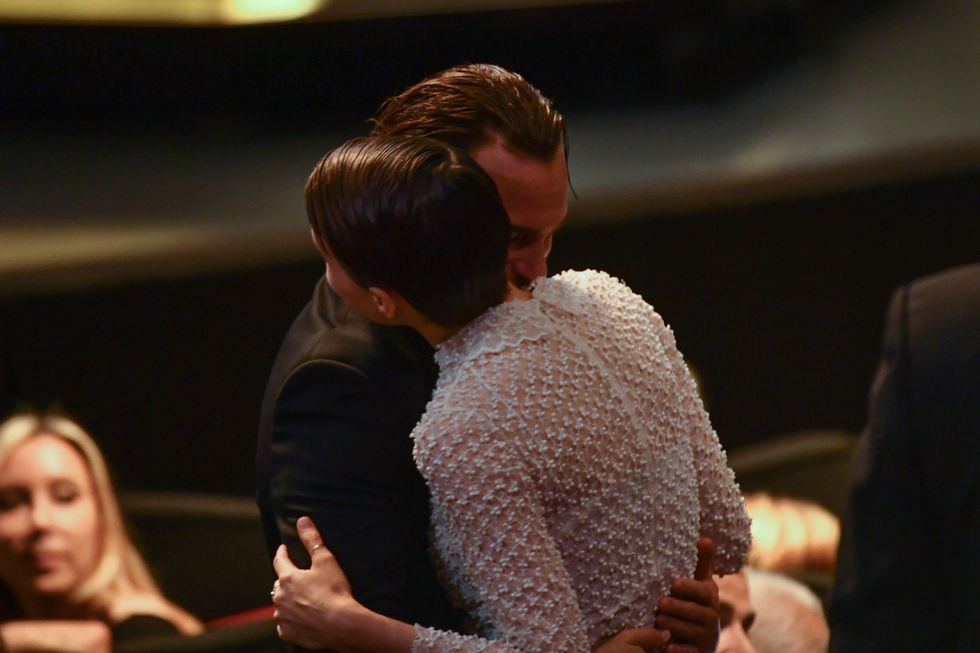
495, 460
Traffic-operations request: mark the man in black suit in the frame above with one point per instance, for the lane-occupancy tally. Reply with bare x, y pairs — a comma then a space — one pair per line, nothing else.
908, 576
344, 394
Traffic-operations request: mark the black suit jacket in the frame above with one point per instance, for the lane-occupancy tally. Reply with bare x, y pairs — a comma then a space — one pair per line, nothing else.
334, 444
909, 564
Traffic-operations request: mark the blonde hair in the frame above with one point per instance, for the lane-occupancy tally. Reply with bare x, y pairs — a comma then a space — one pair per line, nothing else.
120, 571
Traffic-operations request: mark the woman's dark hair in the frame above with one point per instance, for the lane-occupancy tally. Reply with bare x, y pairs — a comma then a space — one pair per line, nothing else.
471, 104
415, 216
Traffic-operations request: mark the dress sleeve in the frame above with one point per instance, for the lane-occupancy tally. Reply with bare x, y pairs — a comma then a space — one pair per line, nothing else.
723, 515
491, 529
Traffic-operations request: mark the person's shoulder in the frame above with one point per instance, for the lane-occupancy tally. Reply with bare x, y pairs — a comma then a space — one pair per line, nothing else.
584, 289
963, 278
593, 282
322, 350
336, 368
143, 614
952, 295
588, 279
943, 310
328, 340
138, 626
326, 329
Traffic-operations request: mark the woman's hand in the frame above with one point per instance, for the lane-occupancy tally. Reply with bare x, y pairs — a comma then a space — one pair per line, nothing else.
635, 640
312, 605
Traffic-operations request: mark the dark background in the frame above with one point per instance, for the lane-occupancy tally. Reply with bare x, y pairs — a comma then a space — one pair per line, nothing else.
289, 76
777, 300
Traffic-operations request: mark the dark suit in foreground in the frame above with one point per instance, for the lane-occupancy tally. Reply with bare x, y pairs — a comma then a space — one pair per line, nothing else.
334, 444
909, 565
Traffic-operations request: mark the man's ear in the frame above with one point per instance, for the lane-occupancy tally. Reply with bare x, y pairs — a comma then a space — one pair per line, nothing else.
384, 303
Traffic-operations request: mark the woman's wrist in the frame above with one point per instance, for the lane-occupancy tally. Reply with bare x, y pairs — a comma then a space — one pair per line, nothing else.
359, 629
350, 624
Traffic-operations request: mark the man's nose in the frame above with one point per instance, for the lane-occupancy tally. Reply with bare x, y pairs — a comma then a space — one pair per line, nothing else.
527, 270
534, 262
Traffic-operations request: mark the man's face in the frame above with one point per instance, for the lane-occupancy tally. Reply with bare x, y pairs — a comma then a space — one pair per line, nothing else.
535, 194
736, 614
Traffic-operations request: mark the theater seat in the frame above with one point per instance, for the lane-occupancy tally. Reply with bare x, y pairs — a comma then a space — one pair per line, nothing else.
258, 637
208, 555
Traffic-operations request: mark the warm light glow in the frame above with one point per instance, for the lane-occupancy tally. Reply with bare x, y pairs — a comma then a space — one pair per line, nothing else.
790, 534
157, 12
252, 11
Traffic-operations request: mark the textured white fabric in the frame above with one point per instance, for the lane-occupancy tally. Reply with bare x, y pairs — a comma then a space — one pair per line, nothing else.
572, 467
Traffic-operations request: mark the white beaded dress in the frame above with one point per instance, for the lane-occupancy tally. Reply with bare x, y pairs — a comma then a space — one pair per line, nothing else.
572, 468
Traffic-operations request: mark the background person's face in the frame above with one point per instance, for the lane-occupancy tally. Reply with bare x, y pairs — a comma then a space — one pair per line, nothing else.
535, 194
736, 614
49, 519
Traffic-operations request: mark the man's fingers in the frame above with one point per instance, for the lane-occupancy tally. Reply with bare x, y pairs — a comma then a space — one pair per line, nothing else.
281, 563
706, 559
649, 639
309, 535
701, 592
681, 648
679, 628
685, 610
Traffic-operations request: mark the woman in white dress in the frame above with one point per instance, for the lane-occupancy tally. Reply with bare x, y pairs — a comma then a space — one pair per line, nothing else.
571, 463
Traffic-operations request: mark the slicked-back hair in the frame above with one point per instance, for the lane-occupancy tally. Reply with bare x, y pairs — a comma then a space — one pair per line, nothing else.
415, 216
470, 105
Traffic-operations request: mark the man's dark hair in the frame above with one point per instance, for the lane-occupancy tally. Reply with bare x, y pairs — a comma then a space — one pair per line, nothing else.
470, 105
415, 216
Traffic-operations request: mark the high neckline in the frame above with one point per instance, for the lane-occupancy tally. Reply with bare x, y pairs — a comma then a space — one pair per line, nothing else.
498, 327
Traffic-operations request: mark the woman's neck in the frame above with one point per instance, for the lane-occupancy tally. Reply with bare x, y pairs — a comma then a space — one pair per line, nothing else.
437, 333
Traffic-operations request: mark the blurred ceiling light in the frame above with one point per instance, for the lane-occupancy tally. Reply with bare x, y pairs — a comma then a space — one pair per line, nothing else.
253, 11
159, 12
242, 12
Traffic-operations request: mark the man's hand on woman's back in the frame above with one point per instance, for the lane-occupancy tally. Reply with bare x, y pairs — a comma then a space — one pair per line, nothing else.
691, 611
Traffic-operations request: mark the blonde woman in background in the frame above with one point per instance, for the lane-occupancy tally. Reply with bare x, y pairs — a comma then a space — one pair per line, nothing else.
70, 578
